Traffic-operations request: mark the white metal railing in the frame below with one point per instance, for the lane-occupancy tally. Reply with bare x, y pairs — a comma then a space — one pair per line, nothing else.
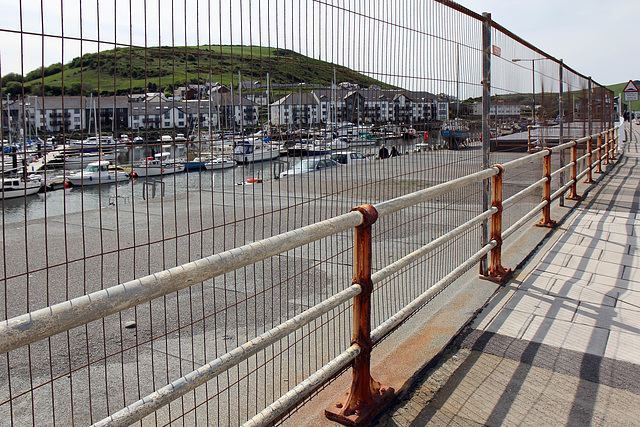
29, 328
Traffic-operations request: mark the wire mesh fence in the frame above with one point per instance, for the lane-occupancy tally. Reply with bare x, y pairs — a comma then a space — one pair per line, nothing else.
222, 123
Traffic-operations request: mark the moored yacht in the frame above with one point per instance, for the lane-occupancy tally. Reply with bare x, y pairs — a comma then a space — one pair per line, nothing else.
97, 173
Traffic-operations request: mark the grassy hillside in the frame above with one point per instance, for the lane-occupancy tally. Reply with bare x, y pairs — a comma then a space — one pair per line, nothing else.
126, 70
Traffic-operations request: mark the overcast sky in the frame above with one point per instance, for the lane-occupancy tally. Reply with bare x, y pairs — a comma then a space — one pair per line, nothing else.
599, 38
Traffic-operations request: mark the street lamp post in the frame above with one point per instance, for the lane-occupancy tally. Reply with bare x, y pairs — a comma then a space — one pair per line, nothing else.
533, 74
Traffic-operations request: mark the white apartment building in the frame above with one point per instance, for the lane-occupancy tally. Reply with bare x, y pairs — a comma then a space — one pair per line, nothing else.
357, 106
500, 109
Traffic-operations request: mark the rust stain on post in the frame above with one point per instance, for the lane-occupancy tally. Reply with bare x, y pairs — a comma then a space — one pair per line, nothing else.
573, 189
589, 179
497, 273
612, 145
606, 148
546, 220
367, 396
599, 144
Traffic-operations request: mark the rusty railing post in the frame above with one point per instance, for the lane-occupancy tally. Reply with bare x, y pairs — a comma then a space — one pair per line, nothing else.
606, 148
599, 145
546, 220
529, 147
589, 179
366, 397
612, 145
573, 189
497, 273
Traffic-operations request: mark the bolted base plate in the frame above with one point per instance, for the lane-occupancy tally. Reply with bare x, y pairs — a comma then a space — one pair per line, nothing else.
361, 416
547, 224
500, 278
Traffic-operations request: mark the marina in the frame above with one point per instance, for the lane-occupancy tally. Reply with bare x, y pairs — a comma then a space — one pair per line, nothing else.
211, 173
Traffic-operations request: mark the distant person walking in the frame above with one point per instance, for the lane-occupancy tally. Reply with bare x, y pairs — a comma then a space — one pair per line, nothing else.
394, 152
383, 153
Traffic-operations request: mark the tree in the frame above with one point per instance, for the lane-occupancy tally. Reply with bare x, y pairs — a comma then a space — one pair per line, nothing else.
13, 88
11, 77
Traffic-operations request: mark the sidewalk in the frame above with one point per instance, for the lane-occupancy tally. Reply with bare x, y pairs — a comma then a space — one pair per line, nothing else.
560, 343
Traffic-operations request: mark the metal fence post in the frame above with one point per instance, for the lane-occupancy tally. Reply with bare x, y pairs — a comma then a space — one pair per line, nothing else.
529, 147
497, 273
573, 189
606, 147
589, 179
367, 397
546, 220
599, 145
561, 127
612, 144
486, 126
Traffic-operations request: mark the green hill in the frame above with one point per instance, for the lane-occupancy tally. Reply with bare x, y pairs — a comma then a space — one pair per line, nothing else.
131, 70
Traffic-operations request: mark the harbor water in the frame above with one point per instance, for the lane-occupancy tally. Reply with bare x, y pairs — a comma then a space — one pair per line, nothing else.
76, 199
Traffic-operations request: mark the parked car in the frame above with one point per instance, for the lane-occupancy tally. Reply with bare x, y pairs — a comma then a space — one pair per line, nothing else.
310, 165
349, 157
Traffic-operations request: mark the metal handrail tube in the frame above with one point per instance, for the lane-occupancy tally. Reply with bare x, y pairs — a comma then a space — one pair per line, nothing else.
560, 170
581, 174
394, 267
520, 194
560, 191
31, 327
580, 159
387, 326
519, 223
165, 395
293, 396
408, 200
562, 147
513, 164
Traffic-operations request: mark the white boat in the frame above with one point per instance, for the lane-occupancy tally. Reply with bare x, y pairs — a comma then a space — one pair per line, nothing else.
18, 187
197, 163
82, 160
97, 173
158, 165
93, 142
339, 144
255, 150
220, 163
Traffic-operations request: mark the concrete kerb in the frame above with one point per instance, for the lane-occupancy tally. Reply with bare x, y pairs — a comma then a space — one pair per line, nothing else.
421, 342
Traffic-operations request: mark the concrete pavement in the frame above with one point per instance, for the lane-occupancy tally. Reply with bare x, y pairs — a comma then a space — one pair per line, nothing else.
560, 343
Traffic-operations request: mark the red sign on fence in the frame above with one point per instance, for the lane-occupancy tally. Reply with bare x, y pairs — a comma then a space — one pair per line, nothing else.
496, 50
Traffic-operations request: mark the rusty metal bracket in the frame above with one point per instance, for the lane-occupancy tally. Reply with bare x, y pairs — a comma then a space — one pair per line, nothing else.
367, 396
496, 272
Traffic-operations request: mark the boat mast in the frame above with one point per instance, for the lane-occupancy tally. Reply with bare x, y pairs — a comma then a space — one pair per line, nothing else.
241, 110
9, 121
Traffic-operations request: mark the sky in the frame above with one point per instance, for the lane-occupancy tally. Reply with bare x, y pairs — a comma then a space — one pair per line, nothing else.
598, 38
594, 37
